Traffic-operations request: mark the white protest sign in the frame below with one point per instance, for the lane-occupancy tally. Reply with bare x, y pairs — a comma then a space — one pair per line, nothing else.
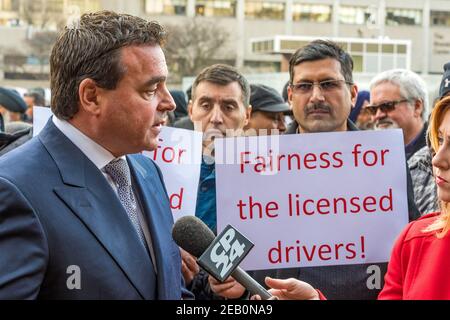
40, 117
178, 155
313, 199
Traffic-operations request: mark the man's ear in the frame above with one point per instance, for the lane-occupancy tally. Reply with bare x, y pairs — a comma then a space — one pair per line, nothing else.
89, 92
248, 114
289, 92
354, 94
189, 108
418, 108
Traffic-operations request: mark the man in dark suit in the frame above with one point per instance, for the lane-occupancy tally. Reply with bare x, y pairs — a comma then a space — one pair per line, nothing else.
80, 217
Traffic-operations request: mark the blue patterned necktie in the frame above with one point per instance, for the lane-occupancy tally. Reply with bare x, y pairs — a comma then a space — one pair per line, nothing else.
120, 173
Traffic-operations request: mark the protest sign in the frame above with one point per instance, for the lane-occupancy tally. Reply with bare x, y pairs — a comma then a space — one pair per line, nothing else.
179, 157
313, 199
40, 117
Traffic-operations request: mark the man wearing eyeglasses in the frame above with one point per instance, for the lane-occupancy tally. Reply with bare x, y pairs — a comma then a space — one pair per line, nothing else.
321, 94
321, 91
398, 99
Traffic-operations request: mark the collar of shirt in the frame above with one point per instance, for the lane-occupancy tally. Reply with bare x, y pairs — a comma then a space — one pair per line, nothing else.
411, 145
295, 128
91, 149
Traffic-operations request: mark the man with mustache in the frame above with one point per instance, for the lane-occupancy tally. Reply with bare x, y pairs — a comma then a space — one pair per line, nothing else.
219, 107
398, 99
321, 94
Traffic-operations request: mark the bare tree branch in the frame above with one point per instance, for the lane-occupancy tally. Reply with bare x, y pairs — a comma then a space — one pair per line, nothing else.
33, 10
41, 44
193, 46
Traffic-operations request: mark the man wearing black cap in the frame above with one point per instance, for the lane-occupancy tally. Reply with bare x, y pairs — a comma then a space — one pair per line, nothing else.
268, 111
444, 89
11, 106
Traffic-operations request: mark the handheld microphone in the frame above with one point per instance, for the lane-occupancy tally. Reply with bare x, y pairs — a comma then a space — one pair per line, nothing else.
192, 235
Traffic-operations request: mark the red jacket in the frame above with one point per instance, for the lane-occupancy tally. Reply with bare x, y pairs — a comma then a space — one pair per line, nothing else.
419, 267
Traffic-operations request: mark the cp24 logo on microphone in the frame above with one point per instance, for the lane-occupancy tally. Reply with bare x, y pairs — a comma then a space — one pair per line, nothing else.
225, 253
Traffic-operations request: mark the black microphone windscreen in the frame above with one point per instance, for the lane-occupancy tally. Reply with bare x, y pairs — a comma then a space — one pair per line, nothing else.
191, 234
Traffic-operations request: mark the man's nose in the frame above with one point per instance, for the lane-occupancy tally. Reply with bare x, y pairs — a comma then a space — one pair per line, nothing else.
282, 125
316, 93
216, 116
167, 103
379, 114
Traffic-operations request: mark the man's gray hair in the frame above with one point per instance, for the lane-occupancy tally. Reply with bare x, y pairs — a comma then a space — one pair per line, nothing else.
411, 85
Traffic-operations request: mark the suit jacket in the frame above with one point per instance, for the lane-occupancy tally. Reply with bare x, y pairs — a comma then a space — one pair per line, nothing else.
58, 212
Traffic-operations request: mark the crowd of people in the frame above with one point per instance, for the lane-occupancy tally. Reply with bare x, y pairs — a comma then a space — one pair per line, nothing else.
83, 195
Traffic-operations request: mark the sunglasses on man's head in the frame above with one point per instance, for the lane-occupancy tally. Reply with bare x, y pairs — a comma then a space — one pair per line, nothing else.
384, 107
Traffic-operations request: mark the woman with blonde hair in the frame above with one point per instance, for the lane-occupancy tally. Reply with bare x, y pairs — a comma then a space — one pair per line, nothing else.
419, 267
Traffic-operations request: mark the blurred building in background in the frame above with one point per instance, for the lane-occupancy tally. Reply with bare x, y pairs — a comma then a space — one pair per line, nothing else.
261, 34
28, 29
426, 23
